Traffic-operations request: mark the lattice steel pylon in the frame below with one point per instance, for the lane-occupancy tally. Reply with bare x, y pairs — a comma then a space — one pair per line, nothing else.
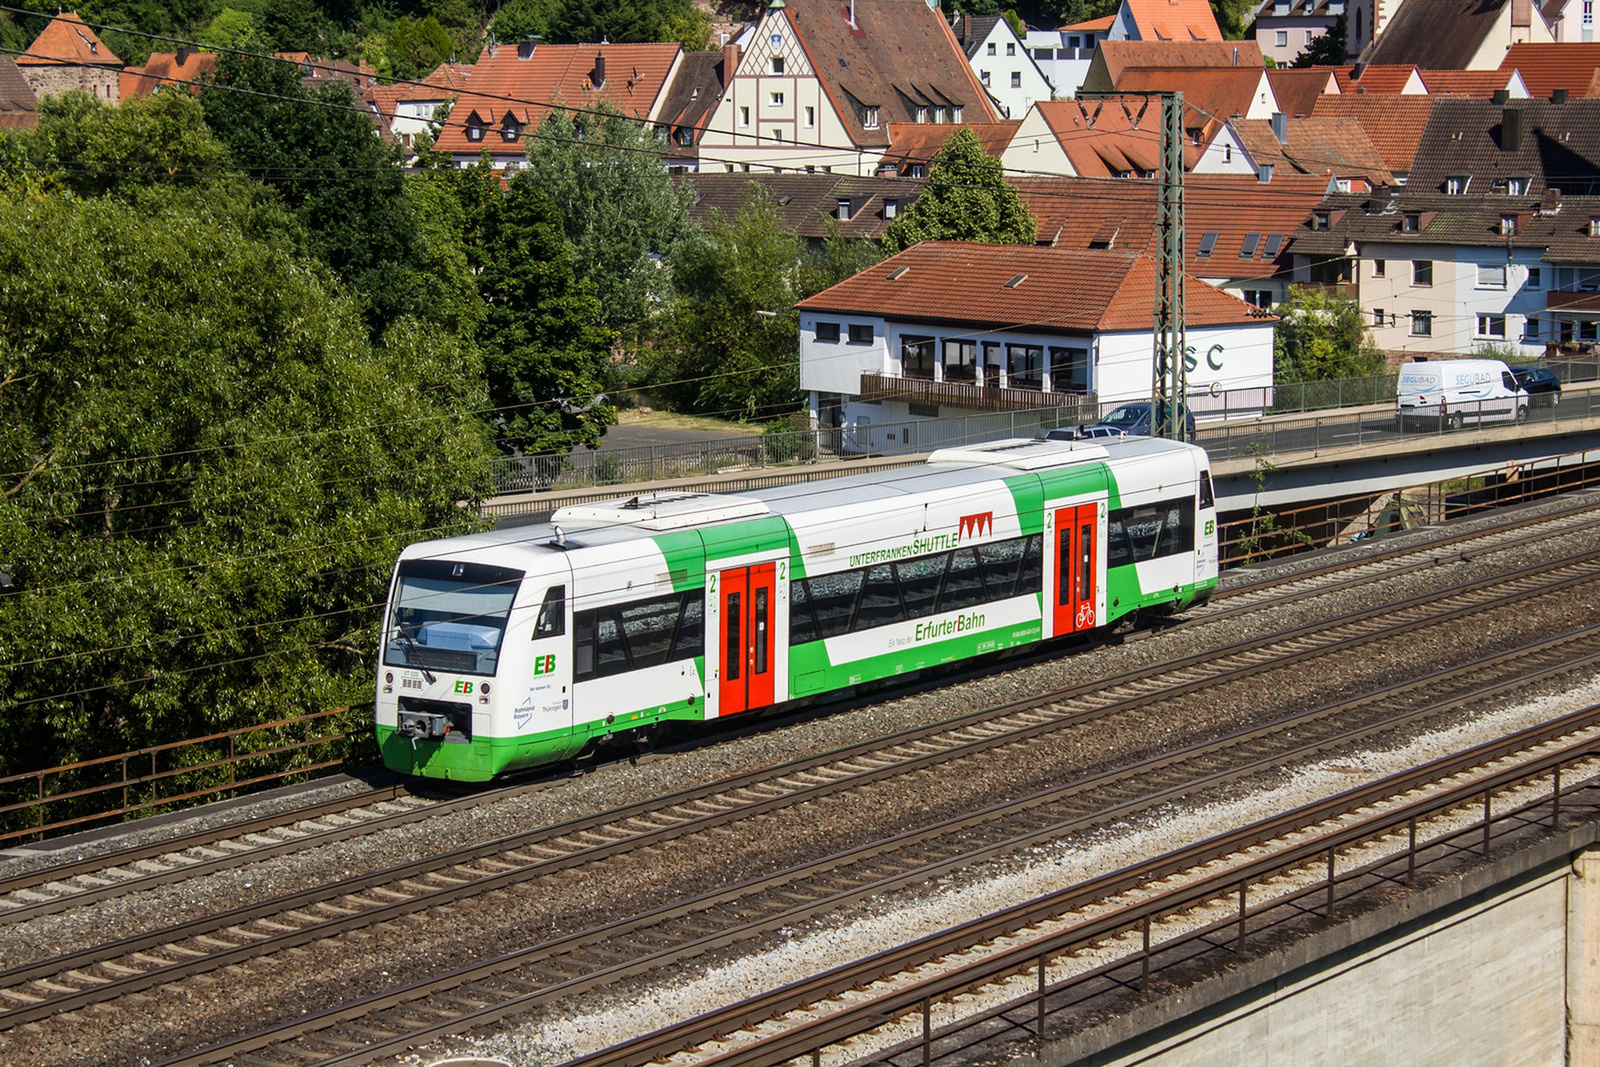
1167, 370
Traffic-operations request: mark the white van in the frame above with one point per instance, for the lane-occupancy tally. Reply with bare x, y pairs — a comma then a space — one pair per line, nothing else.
1454, 392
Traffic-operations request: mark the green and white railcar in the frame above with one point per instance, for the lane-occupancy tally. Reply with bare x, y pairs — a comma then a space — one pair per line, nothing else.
509, 649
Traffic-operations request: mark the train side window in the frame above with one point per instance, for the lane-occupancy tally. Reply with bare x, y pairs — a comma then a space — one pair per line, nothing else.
920, 580
552, 620
648, 626
762, 629
610, 648
1086, 564
690, 640
802, 623
644, 633
1000, 564
583, 646
1207, 498
1064, 556
1150, 531
734, 645
880, 600
833, 598
963, 585
1031, 580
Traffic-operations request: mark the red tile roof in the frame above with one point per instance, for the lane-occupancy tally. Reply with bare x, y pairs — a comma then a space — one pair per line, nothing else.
1547, 67
1317, 145
527, 90
1023, 286
1115, 56
1101, 139
919, 142
166, 68
1216, 93
1093, 25
1297, 90
1174, 20
1373, 79
1477, 83
1086, 213
383, 101
1393, 124
68, 40
18, 106
447, 79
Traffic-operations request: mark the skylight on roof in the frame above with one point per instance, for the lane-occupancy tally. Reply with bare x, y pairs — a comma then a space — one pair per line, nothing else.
1208, 243
1274, 243
1014, 282
900, 272
1251, 240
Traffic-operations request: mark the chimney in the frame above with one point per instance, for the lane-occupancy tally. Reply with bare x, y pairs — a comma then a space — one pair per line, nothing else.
526, 46
1510, 130
1551, 200
1264, 175
1558, 97
1280, 127
1501, 97
1358, 70
597, 76
183, 56
1236, 55
730, 62
853, 25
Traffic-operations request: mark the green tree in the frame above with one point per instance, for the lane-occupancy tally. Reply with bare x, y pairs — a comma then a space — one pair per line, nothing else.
414, 47
840, 257
590, 21
1320, 337
1234, 17
318, 151
1325, 50
545, 351
207, 473
966, 198
296, 26
619, 210
235, 29
736, 337
524, 18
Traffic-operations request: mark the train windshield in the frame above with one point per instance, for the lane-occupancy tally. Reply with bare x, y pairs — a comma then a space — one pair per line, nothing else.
450, 616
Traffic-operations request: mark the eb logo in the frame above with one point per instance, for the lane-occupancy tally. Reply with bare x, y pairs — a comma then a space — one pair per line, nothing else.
1211, 527
544, 665
463, 687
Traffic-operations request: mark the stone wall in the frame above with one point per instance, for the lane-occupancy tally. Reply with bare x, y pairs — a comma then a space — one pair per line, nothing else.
50, 80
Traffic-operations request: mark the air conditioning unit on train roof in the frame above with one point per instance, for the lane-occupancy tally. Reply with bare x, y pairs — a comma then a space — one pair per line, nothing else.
659, 511
1023, 454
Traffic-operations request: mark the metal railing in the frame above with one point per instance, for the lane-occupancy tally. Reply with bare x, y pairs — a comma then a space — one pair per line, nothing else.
130, 784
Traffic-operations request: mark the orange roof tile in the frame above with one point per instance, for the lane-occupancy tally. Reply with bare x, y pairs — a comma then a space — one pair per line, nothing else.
166, 68
1059, 289
447, 79
18, 105
1216, 93
1109, 138
68, 40
1548, 67
1477, 83
1116, 56
1373, 79
1174, 20
1297, 90
919, 142
1093, 25
1317, 145
1087, 213
527, 90
1393, 124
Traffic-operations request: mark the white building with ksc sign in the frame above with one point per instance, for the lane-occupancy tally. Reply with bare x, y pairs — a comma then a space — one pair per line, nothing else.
948, 328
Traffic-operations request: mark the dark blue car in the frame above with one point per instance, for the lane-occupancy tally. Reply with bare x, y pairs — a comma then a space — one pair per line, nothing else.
1134, 420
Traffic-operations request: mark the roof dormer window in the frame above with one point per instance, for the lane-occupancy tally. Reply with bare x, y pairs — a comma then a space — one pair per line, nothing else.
1594, 227
1508, 225
474, 133
1517, 186
1456, 184
922, 114
938, 114
510, 132
870, 118
1412, 223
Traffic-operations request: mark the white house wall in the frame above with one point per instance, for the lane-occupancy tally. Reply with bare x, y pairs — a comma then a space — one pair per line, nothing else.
999, 67
1226, 154
1035, 150
1455, 298
1234, 357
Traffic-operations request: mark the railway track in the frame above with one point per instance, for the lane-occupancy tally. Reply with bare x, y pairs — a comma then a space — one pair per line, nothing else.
58, 888
576, 965
160, 957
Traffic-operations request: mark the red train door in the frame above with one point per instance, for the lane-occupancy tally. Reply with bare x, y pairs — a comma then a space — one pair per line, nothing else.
747, 603
1076, 579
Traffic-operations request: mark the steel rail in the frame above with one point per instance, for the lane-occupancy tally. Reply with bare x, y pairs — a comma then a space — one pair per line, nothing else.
110, 877
853, 1020
549, 961
209, 942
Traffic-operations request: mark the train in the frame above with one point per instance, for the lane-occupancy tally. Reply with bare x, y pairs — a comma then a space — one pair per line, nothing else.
509, 649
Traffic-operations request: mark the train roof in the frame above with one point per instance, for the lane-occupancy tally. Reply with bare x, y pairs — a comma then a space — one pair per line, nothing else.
626, 518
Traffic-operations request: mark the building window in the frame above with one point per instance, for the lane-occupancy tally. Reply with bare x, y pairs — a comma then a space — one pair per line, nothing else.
861, 333
509, 134
938, 114
1016, 79
916, 357
1594, 227
842, 212
1261, 298
891, 208
1516, 186
922, 114
1535, 277
1508, 225
1456, 185
777, 135
1531, 331
990, 49
1011, 48
1026, 366
744, 116
775, 99
1422, 324
955, 114
777, 64
1379, 266
983, 76
1422, 272
871, 120
1412, 223
1310, 36
1491, 275
827, 332
1252, 241
960, 361
474, 133
1227, 153
1208, 244
1492, 326
1321, 220
1588, 12
1069, 370
919, 170
1377, 316
811, 117
1283, 38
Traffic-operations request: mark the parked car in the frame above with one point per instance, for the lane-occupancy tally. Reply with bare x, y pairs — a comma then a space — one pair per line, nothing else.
1081, 433
1542, 385
1134, 420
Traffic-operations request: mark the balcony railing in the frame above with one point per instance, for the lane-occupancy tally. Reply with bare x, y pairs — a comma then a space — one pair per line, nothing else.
964, 394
